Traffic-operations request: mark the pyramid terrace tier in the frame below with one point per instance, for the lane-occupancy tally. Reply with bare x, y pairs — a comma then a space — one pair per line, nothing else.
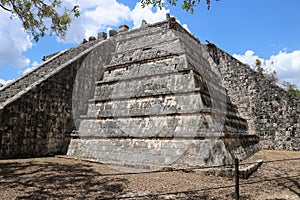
200, 124
146, 52
180, 103
140, 67
146, 62
158, 84
143, 39
210, 151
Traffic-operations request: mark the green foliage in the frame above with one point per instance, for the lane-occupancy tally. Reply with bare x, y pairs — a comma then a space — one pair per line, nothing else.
272, 76
292, 89
296, 93
187, 5
35, 14
258, 68
257, 63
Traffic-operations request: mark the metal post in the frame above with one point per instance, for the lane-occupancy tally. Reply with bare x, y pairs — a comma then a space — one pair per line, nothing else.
237, 184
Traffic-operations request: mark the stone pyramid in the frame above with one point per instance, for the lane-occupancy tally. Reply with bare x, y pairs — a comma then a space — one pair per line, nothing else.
160, 101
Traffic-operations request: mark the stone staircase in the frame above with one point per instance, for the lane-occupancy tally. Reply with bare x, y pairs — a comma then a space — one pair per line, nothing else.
27, 80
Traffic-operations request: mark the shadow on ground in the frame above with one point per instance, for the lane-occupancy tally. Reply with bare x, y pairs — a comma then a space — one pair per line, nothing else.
47, 180
52, 178
291, 183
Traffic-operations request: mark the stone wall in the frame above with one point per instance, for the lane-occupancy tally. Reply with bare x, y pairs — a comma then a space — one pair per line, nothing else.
36, 123
38, 111
270, 111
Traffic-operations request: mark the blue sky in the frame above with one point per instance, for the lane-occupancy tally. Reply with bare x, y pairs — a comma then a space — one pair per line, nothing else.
248, 29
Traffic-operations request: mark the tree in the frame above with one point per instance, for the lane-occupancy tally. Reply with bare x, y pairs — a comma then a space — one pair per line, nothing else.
187, 5
36, 14
271, 76
292, 89
258, 67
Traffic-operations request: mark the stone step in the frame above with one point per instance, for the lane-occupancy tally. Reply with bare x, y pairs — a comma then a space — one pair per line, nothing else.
188, 125
26, 80
153, 151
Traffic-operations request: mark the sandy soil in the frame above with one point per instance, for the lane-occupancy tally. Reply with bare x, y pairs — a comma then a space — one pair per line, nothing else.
60, 178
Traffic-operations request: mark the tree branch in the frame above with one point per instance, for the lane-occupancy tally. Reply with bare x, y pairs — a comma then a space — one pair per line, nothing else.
4, 8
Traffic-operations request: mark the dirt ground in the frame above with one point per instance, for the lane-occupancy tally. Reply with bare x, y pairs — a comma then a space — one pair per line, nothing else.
61, 178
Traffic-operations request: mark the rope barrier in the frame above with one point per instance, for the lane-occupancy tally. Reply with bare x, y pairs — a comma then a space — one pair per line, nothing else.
202, 189
166, 170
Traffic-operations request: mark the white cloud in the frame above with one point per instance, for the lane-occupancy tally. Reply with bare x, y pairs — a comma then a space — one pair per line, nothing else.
13, 41
286, 64
99, 16
248, 58
2, 82
147, 13
34, 65
95, 16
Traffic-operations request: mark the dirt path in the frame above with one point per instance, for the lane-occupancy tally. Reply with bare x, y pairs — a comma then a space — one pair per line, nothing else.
59, 178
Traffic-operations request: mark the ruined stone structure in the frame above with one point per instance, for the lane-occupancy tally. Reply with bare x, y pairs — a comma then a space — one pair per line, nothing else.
270, 111
160, 102
36, 114
148, 95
